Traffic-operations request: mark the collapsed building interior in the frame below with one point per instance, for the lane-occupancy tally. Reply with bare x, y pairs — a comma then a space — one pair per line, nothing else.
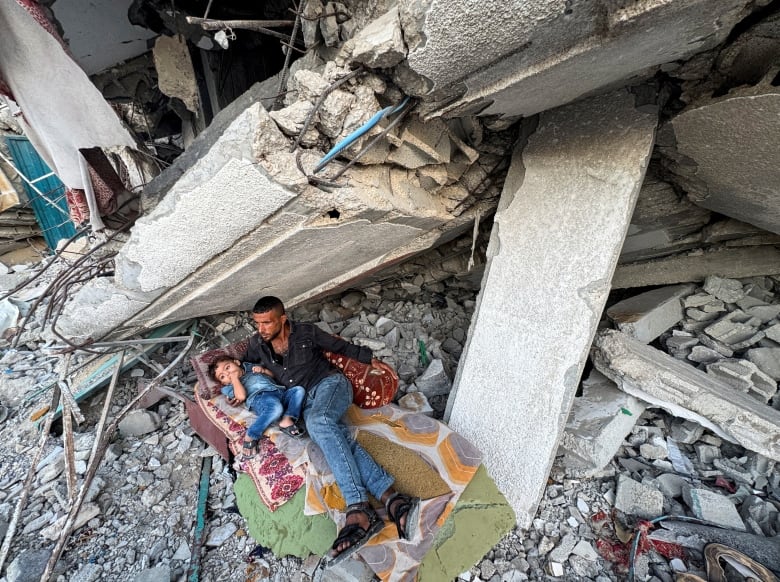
570, 160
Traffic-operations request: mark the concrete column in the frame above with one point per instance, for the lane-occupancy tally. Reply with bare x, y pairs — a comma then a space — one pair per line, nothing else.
560, 225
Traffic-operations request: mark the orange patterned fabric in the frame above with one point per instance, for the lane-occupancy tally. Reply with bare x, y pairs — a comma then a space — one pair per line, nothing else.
449, 454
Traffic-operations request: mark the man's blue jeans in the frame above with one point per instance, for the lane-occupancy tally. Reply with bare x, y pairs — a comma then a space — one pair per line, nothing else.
354, 470
271, 405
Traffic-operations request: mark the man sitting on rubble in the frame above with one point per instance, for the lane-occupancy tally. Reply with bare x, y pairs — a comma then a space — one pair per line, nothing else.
293, 353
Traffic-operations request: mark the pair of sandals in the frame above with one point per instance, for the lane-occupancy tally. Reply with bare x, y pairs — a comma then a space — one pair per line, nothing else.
398, 507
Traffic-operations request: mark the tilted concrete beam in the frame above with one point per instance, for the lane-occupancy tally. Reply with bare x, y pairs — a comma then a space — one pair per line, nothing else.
728, 156
562, 219
658, 378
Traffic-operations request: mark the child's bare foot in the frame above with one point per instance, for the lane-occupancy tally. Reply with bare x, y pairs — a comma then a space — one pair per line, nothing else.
286, 421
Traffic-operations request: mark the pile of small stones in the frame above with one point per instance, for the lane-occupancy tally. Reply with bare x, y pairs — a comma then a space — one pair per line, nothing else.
731, 330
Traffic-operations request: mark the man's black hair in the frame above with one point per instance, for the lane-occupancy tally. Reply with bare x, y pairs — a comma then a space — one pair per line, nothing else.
269, 303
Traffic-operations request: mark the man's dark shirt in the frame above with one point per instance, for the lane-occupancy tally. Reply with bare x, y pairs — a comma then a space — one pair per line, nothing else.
304, 364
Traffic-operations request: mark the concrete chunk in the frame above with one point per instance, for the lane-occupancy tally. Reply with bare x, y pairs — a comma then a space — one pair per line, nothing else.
380, 44
648, 315
660, 379
598, 423
564, 549
698, 300
729, 331
773, 332
637, 499
686, 432
744, 375
671, 485
713, 507
729, 290
737, 182
767, 360
434, 381
703, 355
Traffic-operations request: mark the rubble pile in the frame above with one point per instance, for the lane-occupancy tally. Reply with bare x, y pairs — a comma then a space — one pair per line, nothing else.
330, 106
138, 520
731, 329
666, 468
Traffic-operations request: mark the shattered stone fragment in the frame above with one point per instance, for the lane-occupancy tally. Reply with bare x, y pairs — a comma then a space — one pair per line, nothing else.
729, 331
648, 315
702, 355
564, 549
139, 422
329, 25
334, 111
670, 485
745, 376
680, 346
767, 360
434, 381
421, 143
416, 402
634, 498
729, 290
309, 85
686, 432
698, 300
310, 24
380, 45
713, 507
291, 119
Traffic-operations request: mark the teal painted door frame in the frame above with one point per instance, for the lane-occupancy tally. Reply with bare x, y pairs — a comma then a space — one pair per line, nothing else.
51, 210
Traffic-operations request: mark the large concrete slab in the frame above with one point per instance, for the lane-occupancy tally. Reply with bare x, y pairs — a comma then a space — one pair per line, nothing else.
685, 391
520, 57
222, 197
742, 182
561, 222
235, 218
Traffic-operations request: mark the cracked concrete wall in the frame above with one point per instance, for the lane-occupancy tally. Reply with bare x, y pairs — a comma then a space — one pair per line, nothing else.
563, 215
520, 57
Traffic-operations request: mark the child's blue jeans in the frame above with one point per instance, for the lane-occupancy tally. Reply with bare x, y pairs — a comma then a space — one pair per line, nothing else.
271, 405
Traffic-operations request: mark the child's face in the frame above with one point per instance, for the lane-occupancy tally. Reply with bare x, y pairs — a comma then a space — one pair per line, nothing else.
225, 371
